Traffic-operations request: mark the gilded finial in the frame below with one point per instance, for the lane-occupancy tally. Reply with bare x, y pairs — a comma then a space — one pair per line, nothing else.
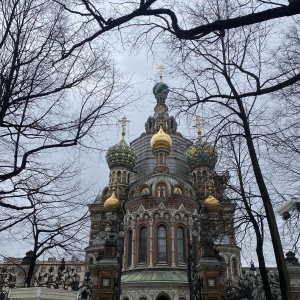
114, 180
160, 72
198, 125
124, 121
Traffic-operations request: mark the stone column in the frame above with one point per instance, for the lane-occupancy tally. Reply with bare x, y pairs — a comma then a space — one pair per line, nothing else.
172, 221
133, 264
151, 242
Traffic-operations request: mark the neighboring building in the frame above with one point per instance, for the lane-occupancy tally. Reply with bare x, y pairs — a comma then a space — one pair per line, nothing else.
53, 279
165, 190
74, 265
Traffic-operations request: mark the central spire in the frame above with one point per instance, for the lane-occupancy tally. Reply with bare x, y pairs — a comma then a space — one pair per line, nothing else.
161, 116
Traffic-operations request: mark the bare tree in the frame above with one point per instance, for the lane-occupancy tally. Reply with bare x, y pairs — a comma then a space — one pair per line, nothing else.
169, 17
228, 73
283, 141
47, 105
55, 225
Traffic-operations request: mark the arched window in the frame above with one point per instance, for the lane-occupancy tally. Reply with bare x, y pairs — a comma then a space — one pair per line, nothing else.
128, 178
124, 177
119, 176
161, 243
143, 245
194, 176
145, 191
180, 245
163, 296
161, 191
177, 190
129, 247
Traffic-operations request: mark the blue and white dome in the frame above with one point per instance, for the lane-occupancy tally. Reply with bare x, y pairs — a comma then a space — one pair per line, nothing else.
160, 88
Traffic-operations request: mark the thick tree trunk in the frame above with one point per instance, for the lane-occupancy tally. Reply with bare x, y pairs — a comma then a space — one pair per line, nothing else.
275, 237
30, 274
259, 239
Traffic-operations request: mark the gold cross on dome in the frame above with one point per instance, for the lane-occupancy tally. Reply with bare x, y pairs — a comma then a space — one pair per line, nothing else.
123, 121
160, 72
198, 125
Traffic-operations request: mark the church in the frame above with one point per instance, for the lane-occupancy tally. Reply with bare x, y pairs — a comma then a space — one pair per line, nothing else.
163, 227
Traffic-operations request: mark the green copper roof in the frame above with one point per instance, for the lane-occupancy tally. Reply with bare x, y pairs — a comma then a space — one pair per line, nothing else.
155, 276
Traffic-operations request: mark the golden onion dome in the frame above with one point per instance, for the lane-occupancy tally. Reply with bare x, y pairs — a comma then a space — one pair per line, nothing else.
112, 203
211, 204
161, 140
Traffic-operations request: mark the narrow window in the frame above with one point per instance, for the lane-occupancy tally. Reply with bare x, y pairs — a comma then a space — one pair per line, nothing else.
129, 247
161, 191
162, 243
198, 178
143, 245
124, 177
161, 158
180, 245
128, 178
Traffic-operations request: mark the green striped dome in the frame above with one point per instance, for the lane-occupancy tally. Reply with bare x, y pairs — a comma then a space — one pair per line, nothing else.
121, 154
201, 154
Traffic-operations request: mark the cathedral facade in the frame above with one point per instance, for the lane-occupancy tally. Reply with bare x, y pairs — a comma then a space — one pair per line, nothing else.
163, 228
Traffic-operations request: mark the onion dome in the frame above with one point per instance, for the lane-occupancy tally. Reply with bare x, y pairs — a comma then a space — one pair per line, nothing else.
112, 203
121, 154
201, 154
211, 204
160, 88
161, 140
